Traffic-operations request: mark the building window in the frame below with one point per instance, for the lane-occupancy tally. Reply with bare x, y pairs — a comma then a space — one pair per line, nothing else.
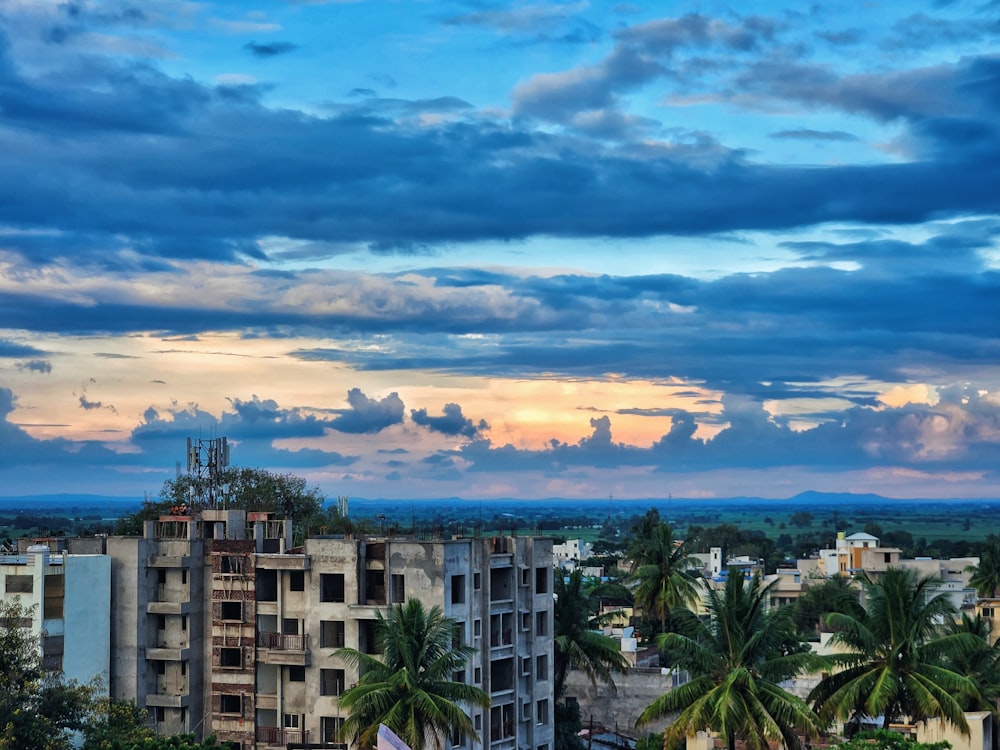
331, 681
184, 577
331, 634
330, 729
289, 626
888, 557
331, 587
231, 657
477, 627
398, 583
525, 576
184, 668
161, 667
296, 673
20, 584
231, 564
542, 580
542, 711
541, 667
296, 580
184, 622
478, 722
477, 581
525, 666
541, 624
526, 621
231, 611
477, 675
368, 636
291, 721
458, 589
161, 577
230, 704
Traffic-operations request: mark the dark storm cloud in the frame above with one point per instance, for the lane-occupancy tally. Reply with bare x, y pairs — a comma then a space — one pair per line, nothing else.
252, 426
452, 422
270, 49
166, 167
369, 415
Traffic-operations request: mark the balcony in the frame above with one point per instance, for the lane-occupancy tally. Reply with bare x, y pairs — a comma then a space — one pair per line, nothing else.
169, 561
282, 562
167, 653
279, 648
168, 608
278, 737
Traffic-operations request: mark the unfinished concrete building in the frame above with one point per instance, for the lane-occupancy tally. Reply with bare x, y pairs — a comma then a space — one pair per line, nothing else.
219, 627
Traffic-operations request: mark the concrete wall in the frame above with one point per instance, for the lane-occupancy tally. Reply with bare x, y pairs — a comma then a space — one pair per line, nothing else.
87, 613
619, 706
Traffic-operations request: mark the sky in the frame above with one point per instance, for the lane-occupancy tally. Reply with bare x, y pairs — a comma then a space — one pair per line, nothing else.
502, 249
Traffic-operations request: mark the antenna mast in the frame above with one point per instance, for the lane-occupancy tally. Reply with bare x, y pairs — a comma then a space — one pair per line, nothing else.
205, 461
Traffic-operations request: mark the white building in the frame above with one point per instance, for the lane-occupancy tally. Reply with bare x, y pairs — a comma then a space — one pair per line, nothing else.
69, 600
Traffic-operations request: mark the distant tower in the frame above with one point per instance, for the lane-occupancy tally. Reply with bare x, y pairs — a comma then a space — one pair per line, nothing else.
205, 461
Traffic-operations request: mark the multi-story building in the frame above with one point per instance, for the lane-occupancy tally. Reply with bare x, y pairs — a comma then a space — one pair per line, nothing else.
221, 627
67, 598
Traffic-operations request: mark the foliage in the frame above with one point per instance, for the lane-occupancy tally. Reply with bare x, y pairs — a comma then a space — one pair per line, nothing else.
836, 594
567, 726
663, 570
980, 662
246, 488
985, 577
574, 642
116, 725
737, 660
883, 739
652, 741
38, 710
895, 656
412, 689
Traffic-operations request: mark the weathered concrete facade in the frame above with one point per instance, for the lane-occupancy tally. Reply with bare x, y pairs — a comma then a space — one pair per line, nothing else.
221, 627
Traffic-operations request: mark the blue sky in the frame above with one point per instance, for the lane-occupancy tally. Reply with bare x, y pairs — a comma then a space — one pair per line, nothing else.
488, 249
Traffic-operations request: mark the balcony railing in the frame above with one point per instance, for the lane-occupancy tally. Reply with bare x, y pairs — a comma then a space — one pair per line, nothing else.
283, 642
278, 737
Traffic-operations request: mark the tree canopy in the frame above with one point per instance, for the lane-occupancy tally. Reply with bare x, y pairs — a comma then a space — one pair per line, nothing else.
412, 688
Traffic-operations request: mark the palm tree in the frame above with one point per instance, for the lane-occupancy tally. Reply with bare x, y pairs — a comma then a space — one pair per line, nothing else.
737, 660
836, 594
896, 656
665, 572
985, 577
575, 642
412, 688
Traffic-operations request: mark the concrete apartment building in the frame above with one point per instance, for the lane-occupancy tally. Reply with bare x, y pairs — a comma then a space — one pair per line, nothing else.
220, 627
68, 595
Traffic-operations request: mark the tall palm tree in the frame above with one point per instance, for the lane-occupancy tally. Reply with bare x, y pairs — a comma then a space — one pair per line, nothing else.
575, 642
980, 663
895, 655
737, 660
665, 572
412, 689
985, 577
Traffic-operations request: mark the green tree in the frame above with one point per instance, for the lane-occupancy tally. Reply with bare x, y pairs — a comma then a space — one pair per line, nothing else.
247, 488
665, 574
38, 709
737, 660
979, 661
836, 594
883, 739
985, 577
116, 725
412, 689
895, 656
575, 642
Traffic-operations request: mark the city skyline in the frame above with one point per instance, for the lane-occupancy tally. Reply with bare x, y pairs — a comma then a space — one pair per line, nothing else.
492, 249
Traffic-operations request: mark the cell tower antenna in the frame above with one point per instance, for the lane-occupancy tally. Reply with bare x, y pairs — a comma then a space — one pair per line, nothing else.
206, 460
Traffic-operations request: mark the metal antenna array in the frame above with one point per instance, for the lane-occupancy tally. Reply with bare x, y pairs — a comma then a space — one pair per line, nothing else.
205, 461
